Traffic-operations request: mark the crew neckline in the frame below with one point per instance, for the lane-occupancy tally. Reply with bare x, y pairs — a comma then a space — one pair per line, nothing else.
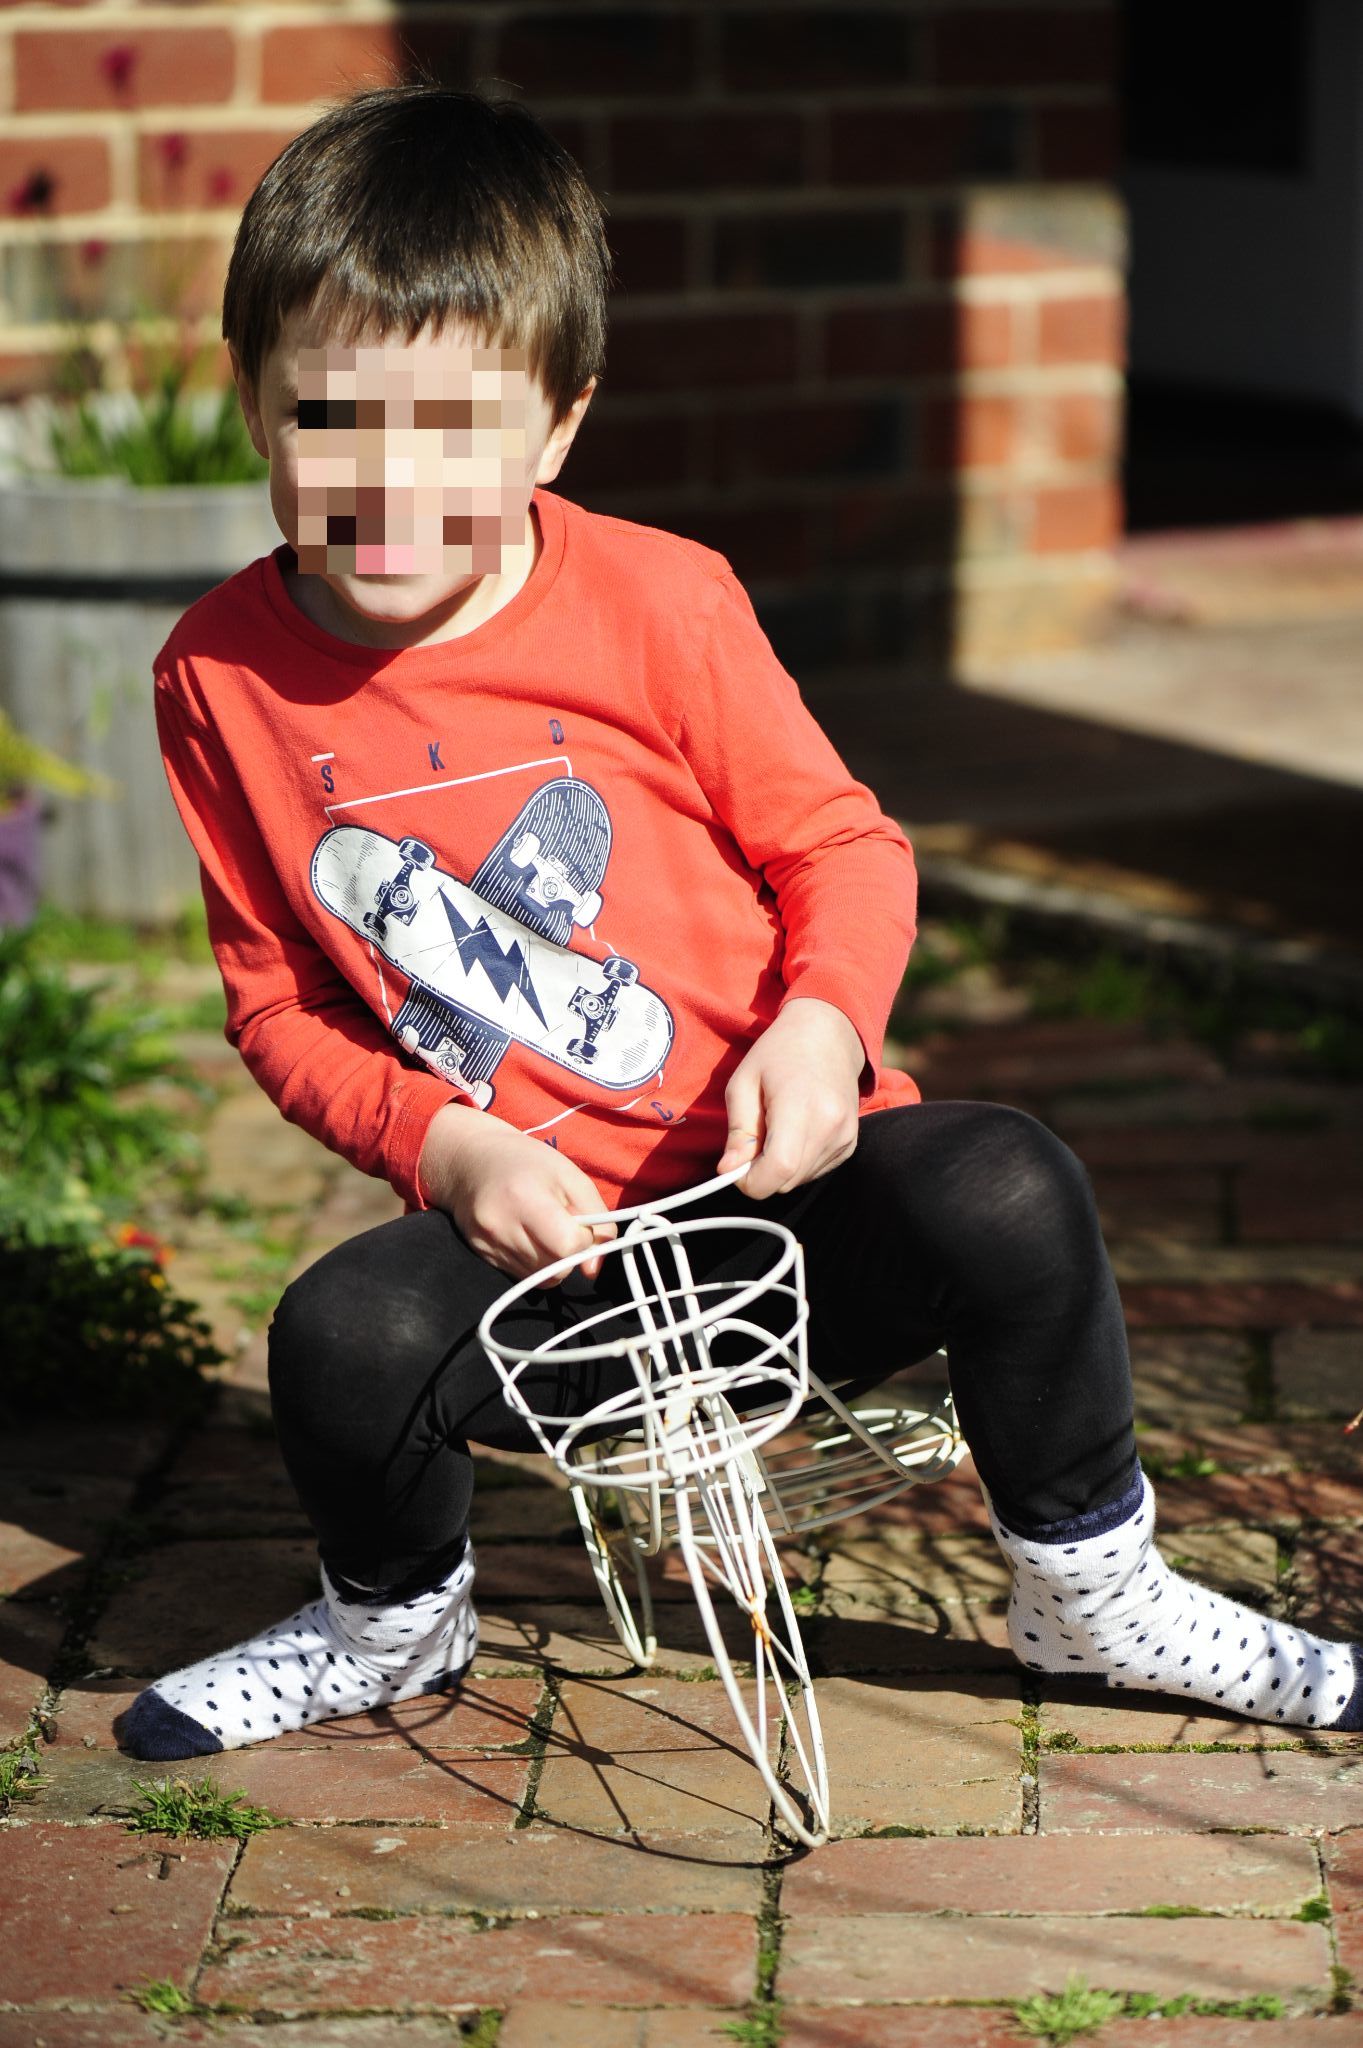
548, 512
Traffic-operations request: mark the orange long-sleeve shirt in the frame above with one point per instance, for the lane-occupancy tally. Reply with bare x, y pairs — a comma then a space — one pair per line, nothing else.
567, 866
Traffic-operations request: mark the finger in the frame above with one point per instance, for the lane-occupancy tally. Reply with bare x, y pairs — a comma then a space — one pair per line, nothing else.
780, 1165
743, 1103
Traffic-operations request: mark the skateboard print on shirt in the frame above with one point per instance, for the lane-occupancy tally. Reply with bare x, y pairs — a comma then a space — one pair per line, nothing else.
486, 961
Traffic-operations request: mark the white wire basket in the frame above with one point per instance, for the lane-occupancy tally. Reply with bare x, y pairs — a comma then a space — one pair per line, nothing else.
719, 1457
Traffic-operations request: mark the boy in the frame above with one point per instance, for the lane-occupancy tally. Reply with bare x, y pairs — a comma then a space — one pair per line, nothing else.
536, 891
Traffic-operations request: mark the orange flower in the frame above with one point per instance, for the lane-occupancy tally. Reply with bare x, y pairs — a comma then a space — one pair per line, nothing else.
133, 1239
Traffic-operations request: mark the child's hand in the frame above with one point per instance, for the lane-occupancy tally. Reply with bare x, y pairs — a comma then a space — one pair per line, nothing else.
792, 1100
513, 1198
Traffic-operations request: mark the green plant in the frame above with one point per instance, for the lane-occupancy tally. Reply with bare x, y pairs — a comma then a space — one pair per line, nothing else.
169, 434
159, 1994
25, 765
172, 1806
1076, 2010
94, 1328
20, 1774
78, 1069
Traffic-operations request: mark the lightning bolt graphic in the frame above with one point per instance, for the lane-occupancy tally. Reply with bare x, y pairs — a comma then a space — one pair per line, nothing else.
506, 971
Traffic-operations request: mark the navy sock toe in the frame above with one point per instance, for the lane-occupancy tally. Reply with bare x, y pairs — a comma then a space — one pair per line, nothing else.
157, 1732
1352, 1717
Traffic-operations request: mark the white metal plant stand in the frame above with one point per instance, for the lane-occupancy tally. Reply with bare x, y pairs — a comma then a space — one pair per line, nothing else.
718, 1460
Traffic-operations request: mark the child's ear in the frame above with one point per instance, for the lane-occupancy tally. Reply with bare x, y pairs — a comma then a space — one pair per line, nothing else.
561, 438
250, 407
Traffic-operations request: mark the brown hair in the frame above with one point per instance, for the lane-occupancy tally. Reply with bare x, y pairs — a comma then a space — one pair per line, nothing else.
410, 204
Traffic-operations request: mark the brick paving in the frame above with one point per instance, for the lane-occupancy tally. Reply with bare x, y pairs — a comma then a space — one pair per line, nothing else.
575, 1854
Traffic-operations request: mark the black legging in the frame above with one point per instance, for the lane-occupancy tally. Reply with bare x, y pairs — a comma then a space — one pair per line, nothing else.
962, 1225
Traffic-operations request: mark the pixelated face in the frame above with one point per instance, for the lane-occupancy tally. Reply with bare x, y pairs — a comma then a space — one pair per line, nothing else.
402, 474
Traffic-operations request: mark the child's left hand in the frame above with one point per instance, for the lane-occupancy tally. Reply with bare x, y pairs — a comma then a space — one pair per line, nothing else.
792, 1100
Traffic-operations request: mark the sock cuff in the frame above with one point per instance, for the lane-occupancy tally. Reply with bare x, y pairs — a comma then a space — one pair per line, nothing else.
1100, 1521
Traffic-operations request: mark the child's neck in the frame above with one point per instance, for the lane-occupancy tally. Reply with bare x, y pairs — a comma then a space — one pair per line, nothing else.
451, 619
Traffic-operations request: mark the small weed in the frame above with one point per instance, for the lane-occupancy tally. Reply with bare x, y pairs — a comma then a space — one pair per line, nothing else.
1316, 1909
20, 1774
1076, 2010
159, 1994
1187, 1465
1148, 2005
1176, 1913
175, 1807
1059, 1738
480, 2029
804, 1600
763, 2030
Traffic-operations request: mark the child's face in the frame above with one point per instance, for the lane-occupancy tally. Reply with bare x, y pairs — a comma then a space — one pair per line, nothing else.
401, 474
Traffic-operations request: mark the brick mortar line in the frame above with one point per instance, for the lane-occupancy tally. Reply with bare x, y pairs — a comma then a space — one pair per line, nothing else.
541, 1723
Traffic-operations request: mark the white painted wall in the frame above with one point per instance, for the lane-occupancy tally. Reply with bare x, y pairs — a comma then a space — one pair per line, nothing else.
1255, 283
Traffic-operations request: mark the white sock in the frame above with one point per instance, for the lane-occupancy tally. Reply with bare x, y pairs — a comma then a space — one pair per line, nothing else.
332, 1657
1095, 1601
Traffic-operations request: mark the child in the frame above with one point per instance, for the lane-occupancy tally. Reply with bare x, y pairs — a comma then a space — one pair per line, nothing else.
536, 891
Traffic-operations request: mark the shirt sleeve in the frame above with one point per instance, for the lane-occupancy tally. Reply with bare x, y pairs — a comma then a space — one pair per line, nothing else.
842, 873
306, 1036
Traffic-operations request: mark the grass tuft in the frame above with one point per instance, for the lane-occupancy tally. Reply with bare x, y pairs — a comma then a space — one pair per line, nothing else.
1075, 2010
20, 1774
175, 1807
159, 1994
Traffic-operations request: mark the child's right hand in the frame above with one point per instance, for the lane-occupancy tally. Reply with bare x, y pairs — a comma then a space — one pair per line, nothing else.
514, 1199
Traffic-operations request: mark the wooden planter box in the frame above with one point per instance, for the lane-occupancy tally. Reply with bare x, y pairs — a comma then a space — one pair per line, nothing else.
93, 575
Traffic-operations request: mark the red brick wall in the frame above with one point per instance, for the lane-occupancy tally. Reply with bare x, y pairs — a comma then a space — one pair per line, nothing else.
868, 331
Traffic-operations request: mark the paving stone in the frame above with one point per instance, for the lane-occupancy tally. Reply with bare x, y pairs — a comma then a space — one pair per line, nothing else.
1267, 1874
1344, 1871
397, 1783
950, 1506
596, 2026
966, 1639
1318, 1372
288, 1966
101, 2025
904, 2026
1242, 1305
1327, 1583
1235, 1133
1349, 1938
900, 1573
484, 1714
1243, 1117
1301, 1204
192, 1598
576, 1638
1261, 1497
53, 1527
847, 1959
1231, 1559
115, 1450
1040, 1057
1186, 1378
922, 1757
1171, 1260
237, 1145
89, 1912
1287, 1791
521, 1514
30, 1636
353, 1869
920, 2026
1108, 1720
655, 1755
1251, 1447
1155, 1203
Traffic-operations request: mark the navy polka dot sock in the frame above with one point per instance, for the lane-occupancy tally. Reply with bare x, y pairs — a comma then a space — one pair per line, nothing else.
1093, 1598
332, 1657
